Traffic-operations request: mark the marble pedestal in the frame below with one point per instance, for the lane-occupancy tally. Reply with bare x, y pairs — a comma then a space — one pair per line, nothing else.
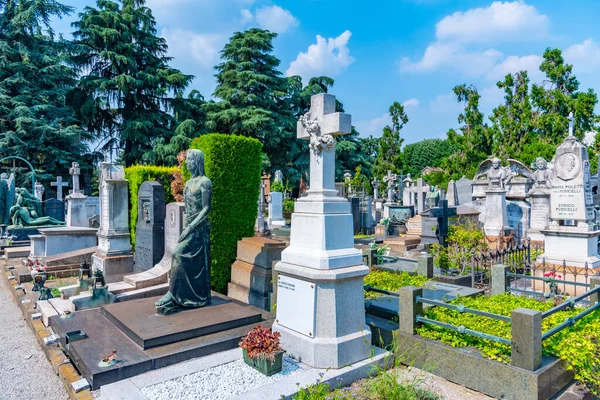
276, 219
114, 254
77, 215
53, 241
540, 214
496, 218
575, 246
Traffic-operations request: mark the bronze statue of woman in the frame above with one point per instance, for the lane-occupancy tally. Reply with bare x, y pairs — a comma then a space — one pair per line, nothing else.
189, 286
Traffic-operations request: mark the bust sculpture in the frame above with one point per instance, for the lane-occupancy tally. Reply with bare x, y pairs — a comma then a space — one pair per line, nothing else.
499, 176
189, 286
542, 174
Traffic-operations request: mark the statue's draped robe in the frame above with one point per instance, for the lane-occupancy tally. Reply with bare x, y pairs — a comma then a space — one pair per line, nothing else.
190, 270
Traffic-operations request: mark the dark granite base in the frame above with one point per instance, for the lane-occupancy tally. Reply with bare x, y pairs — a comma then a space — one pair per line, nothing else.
103, 336
22, 234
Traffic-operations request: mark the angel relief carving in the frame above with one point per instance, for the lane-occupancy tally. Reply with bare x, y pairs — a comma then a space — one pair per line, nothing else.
318, 141
498, 176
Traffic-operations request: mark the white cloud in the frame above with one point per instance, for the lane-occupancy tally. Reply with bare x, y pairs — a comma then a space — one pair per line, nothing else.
584, 56
275, 19
326, 57
513, 64
491, 97
411, 103
373, 126
454, 56
445, 103
498, 22
202, 48
247, 16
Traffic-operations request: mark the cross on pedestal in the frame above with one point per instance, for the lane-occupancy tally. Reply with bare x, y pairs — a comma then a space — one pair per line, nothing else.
442, 213
375, 183
59, 187
391, 180
421, 191
75, 171
260, 219
320, 125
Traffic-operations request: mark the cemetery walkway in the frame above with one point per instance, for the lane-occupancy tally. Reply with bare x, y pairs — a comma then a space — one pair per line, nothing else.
26, 372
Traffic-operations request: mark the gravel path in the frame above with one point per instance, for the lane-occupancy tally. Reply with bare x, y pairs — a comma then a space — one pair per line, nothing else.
26, 372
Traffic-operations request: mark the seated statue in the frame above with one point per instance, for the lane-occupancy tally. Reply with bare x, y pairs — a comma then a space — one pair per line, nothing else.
22, 217
189, 286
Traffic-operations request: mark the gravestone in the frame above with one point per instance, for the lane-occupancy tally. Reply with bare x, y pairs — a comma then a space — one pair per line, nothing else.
571, 200
150, 228
452, 195
55, 208
320, 285
276, 219
59, 184
259, 226
76, 211
39, 191
92, 206
464, 190
442, 214
421, 191
355, 207
514, 214
408, 192
114, 248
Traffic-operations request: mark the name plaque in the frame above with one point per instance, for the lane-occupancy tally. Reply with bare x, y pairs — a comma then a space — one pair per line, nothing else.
296, 304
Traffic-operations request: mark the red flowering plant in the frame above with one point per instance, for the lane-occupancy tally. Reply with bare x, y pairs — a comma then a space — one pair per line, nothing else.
261, 343
35, 265
550, 277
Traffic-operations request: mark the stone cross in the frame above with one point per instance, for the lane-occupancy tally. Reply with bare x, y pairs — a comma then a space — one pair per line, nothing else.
75, 171
442, 213
390, 179
421, 190
375, 183
571, 124
320, 125
59, 187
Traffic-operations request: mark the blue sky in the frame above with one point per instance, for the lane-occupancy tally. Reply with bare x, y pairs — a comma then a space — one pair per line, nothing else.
383, 51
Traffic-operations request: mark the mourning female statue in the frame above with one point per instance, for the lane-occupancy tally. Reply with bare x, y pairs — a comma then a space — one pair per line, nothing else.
22, 217
189, 286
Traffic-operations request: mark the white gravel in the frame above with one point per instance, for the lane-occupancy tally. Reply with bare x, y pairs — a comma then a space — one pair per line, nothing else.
221, 382
26, 372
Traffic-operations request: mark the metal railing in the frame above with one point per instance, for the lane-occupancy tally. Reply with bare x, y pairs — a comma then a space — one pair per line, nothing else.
516, 253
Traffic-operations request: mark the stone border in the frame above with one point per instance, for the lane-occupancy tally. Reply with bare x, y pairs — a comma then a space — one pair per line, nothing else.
60, 363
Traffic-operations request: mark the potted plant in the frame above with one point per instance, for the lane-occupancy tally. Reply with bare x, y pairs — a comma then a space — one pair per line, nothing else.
262, 351
38, 273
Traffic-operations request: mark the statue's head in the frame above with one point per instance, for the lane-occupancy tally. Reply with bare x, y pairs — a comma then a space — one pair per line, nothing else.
541, 163
4, 175
496, 162
195, 162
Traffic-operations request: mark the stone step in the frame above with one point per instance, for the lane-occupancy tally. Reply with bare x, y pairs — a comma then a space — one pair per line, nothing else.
17, 252
71, 257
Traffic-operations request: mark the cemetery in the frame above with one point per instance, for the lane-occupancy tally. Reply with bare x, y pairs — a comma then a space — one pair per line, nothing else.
255, 245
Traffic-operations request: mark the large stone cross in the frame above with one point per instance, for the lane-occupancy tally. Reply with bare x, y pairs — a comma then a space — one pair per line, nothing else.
320, 125
391, 180
421, 190
442, 213
59, 187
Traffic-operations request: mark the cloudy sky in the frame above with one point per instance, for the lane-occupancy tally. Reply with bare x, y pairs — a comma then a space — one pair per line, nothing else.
411, 51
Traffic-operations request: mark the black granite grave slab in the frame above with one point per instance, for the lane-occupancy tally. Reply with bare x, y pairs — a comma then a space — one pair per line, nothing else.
104, 336
138, 319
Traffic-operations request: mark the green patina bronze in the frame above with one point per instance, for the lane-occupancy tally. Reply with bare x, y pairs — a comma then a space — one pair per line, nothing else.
190, 271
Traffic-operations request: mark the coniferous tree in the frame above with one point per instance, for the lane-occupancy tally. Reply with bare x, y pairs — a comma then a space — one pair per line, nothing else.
389, 156
123, 95
35, 123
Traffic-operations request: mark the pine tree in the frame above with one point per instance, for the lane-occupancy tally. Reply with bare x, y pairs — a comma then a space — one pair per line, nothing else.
254, 95
123, 96
389, 156
35, 123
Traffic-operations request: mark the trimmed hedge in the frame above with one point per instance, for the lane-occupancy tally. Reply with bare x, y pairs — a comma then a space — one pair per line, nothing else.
138, 174
233, 164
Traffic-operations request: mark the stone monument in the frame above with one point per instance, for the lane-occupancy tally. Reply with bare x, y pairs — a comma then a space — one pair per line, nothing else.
407, 193
497, 177
452, 195
55, 208
59, 184
260, 227
540, 200
39, 191
76, 212
276, 219
189, 286
320, 283
150, 228
570, 236
114, 248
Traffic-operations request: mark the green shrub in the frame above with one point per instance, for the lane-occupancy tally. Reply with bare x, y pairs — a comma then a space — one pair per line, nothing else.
576, 345
288, 209
233, 164
138, 174
277, 187
464, 241
392, 281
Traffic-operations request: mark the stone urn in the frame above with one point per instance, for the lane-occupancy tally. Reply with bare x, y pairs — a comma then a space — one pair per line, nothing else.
39, 277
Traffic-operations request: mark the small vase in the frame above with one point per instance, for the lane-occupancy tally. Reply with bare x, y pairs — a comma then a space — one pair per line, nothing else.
265, 366
39, 278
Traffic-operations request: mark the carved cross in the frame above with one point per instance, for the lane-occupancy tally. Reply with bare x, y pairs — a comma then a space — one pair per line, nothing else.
375, 183
391, 180
75, 171
421, 191
320, 125
442, 213
59, 187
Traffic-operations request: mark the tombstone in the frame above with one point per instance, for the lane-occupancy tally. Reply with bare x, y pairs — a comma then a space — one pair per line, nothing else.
259, 226
150, 228
464, 190
321, 265
443, 213
496, 218
355, 207
59, 184
39, 191
571, 200
390, 179
432, 199
10, 195
76, 211
276, 219
114, 248
452, 195
367, 218
55, 208
278, 176
421, 191
92, 206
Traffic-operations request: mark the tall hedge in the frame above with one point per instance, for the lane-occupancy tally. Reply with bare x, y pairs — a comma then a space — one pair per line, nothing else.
138, 174
233, 164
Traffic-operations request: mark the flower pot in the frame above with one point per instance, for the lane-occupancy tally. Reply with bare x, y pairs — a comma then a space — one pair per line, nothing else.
265, 365
39, 278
